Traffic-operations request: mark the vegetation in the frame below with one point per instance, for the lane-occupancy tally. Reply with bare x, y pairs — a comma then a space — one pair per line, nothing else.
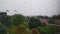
18, 24
33, 23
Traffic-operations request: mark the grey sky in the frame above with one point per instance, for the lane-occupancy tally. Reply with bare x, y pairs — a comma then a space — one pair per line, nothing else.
31, 7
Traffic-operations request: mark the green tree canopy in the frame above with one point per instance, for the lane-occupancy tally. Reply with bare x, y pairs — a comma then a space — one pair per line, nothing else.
17, 19
4, 19
34, 23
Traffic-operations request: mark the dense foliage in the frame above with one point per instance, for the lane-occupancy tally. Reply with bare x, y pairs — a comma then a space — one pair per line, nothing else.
33, 23
19, 24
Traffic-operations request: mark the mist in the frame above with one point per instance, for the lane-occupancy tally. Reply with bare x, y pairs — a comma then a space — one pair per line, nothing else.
31, 7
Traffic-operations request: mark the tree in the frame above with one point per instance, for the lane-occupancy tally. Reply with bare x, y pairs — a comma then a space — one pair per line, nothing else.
46, 17
3, 29
20, 29
4, 19
17, 19
58, 17
35, 31
51, 21
40, 16
4, 22
54, 16
34, 23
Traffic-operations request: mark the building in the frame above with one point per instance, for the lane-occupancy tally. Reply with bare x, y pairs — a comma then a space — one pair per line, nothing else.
44, 20
57, 21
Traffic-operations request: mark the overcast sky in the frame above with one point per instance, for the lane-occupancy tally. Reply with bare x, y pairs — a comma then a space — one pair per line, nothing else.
31, 7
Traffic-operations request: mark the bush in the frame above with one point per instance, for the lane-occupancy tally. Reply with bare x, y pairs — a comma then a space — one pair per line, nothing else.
33, 23
46, 30
35, 31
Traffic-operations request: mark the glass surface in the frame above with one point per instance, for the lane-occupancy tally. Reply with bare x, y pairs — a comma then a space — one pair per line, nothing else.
29, 16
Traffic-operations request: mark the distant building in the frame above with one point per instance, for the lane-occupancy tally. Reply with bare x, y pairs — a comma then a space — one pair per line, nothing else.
57, 21
44, 20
